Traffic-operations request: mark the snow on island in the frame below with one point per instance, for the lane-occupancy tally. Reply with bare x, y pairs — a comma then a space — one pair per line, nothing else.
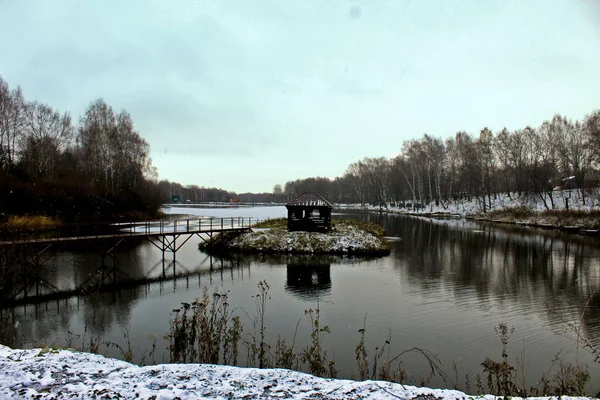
346, 237
63, 374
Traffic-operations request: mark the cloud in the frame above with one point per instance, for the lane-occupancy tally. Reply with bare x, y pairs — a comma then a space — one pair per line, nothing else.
264, 86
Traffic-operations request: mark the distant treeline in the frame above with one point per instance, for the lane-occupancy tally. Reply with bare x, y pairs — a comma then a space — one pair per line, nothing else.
96, 169
197, 194
534, 161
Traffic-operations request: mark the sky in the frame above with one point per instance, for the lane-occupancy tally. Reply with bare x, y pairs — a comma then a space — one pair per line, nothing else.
244, 95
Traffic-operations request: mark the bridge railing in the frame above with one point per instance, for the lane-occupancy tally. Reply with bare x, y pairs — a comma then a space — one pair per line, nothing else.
66, 232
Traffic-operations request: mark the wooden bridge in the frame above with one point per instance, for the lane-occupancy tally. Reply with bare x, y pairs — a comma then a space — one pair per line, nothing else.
167, 236
78, 233
215, 265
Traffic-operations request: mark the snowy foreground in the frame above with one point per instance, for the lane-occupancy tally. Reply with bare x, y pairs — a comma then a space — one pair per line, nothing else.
62, 374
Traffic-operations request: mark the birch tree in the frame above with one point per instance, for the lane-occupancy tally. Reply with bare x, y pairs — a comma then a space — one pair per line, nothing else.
46, 134
574, 148
12, 106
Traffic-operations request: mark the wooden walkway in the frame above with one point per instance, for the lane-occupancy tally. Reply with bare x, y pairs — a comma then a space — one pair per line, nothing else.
69, 234
106, 239
85, 288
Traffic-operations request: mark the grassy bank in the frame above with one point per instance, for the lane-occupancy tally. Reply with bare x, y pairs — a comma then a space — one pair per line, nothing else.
32, 222
271, 237
584, 219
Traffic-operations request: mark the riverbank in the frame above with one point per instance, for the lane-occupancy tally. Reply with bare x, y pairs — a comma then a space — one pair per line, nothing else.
61, 374
272, 237
582, 216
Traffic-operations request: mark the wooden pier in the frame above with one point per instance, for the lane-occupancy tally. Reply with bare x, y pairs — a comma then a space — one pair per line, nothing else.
166, 236
78, 233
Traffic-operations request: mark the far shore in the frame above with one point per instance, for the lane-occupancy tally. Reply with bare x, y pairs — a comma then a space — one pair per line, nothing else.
526, 210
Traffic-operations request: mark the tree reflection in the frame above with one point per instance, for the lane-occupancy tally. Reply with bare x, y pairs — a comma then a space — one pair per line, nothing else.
506, 263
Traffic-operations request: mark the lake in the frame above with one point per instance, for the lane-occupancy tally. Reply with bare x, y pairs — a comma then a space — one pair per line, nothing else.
445, 287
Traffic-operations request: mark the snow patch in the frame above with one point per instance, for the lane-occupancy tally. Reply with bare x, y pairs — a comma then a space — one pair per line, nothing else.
62, 374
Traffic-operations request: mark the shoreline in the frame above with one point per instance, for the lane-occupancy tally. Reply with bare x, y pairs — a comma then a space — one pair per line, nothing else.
582, 225
56, 374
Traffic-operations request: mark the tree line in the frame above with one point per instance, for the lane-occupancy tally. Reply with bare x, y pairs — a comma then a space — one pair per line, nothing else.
96, 168
529, 161
201, 194
99, 166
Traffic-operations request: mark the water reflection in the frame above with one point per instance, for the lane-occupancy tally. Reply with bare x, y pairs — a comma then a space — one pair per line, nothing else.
96, 314
444, 287
308, 281
520, 267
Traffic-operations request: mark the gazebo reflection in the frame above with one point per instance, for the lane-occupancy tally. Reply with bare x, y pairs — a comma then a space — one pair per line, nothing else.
308, 281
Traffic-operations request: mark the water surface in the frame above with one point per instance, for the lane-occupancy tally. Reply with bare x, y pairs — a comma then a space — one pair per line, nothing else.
445, 286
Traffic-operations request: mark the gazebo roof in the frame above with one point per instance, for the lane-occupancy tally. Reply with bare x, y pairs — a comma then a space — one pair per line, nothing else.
308, 199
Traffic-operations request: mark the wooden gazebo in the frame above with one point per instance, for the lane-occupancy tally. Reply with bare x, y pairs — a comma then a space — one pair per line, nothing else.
309, 212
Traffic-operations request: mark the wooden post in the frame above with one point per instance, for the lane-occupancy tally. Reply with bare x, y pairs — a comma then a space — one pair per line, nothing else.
25, 280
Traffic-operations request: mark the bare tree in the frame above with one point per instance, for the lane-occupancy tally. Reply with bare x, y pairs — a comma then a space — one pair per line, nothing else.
356, 175
435, 160
485, 155
510, 151
46, 133
5, 107
115, 155
468, 165
541, 162
575, 149
591, 126
12, 106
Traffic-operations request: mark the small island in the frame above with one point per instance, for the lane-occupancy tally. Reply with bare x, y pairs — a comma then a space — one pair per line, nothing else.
349, 237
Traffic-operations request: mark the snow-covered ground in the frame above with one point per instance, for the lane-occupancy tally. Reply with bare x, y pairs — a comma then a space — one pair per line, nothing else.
344, 240
503, 200
62, 374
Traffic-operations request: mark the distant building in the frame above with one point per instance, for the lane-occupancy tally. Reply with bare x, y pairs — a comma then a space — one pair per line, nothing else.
309, 212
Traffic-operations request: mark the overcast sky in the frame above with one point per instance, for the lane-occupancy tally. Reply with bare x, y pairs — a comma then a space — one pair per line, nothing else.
247, 94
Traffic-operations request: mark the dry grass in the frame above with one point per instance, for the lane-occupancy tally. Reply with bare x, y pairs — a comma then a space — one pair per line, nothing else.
32, 222
511, 213
370, 227
280, 223
582, 218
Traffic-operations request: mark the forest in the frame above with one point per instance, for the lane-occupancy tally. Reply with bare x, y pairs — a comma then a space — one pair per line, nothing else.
535, 161
97, 168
